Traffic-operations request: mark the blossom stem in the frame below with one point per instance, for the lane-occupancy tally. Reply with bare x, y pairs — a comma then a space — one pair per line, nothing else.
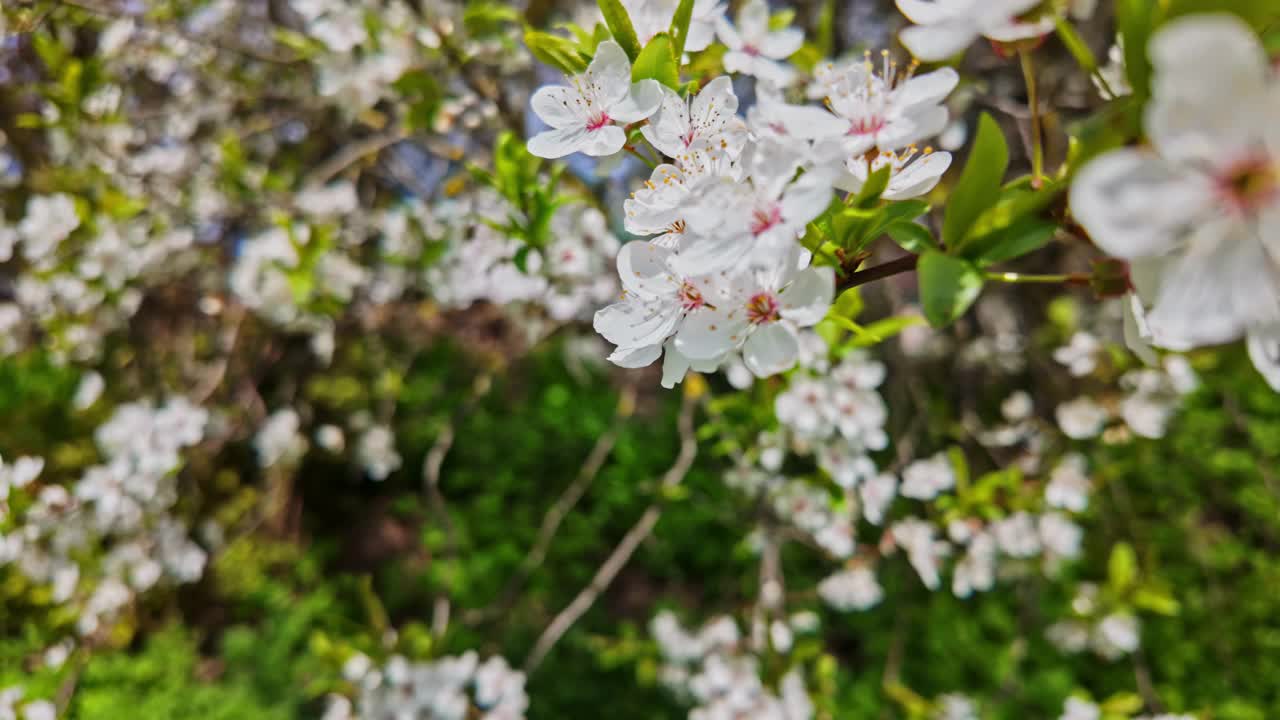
632, 149
903, 264
1022, 278
1033, 100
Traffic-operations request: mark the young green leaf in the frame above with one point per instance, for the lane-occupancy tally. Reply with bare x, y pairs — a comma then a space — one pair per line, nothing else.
560, 53
912, 237
680, 28
979, 186
873, 188
948, 286
1122, 567
1022, 237
619, 22
657, 62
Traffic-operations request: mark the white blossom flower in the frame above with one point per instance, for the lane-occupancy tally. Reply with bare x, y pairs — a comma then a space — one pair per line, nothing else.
756, 50
1116, 636
887, 109
1078, 709
376, 452
946, 27
911, 173
1069, 486
924, 479
955, 706
1080, 354
1059, 536
1197, 213
705, 123
924, 550
1016, 535
1081, 418
876, 494
854, 588
762, 314
584, 116
279, 439
49, 220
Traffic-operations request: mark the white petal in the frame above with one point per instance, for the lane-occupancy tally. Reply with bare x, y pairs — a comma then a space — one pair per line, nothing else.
753, 20
635, 324
559, 106
636, 357
918, 177
928, 89
553, 144
806, 199
806, 300
714, 105
771, 349
706, 255
1133, 203
728, 34
641, 100
926, 12
609, 73
915, 127
602, 141
1210, 56
644, 270
932, 43
782, 44
667, 129
707, 333
1264, 351
1213, 294
674, 365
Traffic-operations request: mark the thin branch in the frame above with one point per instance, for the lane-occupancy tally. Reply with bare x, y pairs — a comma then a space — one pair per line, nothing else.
563, 506
431, 479
903, 264
353, 153
622, 553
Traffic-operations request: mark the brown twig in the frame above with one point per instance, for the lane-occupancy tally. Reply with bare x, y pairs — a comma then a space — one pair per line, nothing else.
556, 514
622, 553
903, 264
431, 480
353, 153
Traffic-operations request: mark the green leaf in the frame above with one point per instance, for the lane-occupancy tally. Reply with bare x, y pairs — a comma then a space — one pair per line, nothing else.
1155, 601
680, 27
979, 186
1076, 45
1122, 567
781, 19
656, 62
881, 330
619, 22
873, 188
1022, 237
849, 304
912, 237
948, 286
1122, 704
558, 52
1135, 20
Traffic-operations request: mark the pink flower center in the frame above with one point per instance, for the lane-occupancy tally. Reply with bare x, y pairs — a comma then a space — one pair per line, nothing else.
1250, 183
866, 125
764, 218
751, 50
598, 122
762, 309
690, 297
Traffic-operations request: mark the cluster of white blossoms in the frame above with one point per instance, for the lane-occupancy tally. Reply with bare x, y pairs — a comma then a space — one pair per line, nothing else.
1196, 213
944, 28
717, 669
124, 504
723, 275
14, 707
449, 688
1109, 632
1150, 398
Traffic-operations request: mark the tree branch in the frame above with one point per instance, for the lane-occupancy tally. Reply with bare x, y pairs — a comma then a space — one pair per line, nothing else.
903, 264
622, 553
